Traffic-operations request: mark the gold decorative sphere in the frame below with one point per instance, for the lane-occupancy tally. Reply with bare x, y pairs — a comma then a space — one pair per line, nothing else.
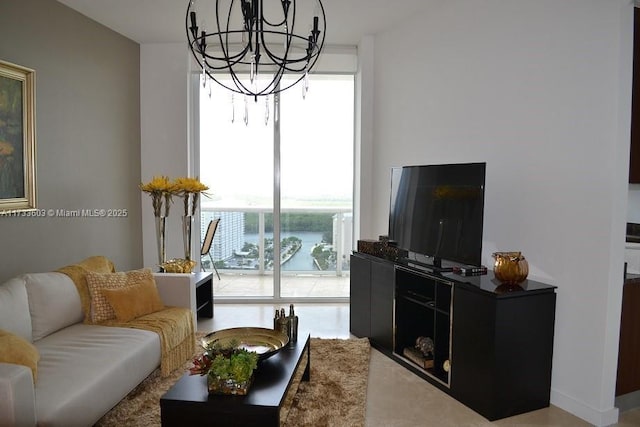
510, 268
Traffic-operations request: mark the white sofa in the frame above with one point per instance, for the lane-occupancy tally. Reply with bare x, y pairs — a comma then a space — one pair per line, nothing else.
84, 370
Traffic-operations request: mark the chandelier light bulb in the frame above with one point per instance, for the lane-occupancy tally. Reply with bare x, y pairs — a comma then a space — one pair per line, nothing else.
246, 111
233, 108
305, 85
204, 74
285, 40
252, 72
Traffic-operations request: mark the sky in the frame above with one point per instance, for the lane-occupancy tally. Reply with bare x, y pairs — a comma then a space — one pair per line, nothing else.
237, 160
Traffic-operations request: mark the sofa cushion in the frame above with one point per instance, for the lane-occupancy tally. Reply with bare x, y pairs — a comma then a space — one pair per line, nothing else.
14, 308
15, 349
77, 273
134, 301
54, 302
101, 310
85, 370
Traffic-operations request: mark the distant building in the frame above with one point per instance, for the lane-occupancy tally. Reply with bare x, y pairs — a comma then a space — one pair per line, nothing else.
229, 237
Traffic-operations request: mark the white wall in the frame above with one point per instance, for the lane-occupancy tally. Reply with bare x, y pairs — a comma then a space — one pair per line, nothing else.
363, 139
541, 92
164, 94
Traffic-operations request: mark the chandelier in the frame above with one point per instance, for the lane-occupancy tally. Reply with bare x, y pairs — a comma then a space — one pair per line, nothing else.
256, 43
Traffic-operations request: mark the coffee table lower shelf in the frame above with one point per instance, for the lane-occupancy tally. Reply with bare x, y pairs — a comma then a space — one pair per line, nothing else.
188, 401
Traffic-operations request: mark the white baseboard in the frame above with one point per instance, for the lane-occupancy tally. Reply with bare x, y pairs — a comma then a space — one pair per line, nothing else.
599, 418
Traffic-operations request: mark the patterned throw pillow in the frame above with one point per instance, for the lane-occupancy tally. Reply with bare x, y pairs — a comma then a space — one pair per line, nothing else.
101, 310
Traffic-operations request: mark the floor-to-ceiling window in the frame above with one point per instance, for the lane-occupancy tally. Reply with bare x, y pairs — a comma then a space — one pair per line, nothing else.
281, 180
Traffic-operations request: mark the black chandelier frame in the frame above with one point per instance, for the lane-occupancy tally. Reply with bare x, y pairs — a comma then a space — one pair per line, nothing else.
255, 53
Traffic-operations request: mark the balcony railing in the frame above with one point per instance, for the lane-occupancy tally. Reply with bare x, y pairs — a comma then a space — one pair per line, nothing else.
243, 244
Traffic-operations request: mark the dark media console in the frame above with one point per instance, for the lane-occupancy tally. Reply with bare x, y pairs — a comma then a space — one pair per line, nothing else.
431, 268
492, 344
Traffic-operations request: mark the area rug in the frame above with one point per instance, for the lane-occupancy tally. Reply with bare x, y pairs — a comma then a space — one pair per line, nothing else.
335, 396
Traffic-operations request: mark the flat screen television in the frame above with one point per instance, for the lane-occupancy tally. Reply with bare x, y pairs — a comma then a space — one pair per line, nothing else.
437, 212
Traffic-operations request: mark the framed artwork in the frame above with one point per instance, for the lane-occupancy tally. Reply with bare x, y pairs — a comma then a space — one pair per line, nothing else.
17, 138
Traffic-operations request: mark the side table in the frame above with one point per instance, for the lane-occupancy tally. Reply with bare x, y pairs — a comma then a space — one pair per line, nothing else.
190, 290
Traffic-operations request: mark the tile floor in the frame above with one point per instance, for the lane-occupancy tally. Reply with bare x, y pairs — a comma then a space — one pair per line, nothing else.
395, 396
292, 286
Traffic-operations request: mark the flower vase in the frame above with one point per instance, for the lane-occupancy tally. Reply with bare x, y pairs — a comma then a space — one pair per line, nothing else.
187, 223
160, 237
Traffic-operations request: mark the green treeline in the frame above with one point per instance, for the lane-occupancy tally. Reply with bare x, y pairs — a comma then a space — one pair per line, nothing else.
320, 222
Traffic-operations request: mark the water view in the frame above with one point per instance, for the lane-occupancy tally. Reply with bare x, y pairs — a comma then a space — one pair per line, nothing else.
300, 251
302, 260
306, 246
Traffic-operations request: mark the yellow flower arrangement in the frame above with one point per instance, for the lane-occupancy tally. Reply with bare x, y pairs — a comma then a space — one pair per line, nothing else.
190, 189
161, 190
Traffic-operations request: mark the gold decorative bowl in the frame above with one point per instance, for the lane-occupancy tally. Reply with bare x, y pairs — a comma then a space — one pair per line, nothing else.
510, 268
265, 342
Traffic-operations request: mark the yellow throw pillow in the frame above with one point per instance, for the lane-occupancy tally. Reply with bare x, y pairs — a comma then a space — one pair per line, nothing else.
15, 349
101, 283
134, 301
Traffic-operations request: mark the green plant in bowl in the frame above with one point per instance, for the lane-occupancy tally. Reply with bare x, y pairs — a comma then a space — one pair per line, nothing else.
229, 369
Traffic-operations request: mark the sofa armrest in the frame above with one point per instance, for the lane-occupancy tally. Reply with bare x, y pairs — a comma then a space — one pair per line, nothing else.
177, 290
17, 396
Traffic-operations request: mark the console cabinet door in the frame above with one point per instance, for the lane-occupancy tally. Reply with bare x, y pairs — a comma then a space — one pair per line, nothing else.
360, 296
473, 350
502, 346
382, 293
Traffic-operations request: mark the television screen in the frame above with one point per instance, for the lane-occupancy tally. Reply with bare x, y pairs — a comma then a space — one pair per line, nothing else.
437, 211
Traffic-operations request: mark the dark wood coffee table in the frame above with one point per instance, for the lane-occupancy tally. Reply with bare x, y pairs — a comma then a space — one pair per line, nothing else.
276, 381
